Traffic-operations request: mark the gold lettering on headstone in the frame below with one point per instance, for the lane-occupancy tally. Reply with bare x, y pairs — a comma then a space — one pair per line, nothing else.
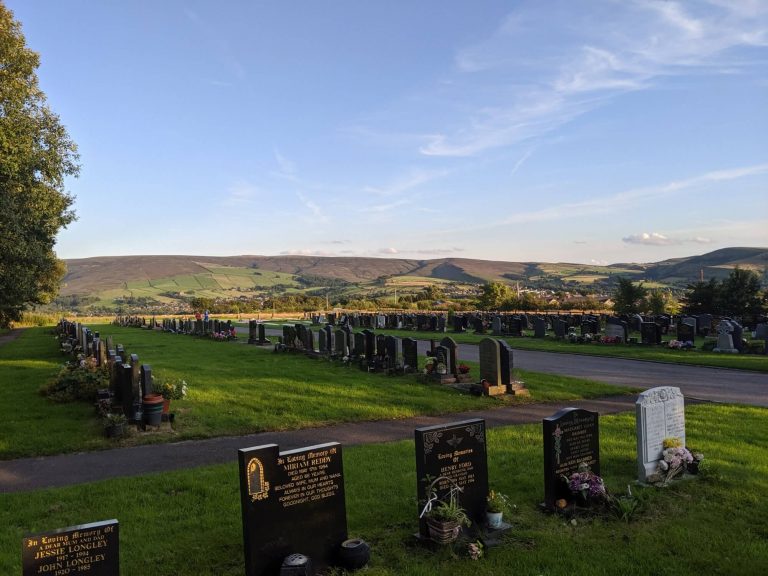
309, 479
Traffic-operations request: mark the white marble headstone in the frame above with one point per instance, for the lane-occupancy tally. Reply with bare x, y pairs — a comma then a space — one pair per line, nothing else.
660, 414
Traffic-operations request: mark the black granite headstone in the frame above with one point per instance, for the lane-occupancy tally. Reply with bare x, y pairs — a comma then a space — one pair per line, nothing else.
571, 437
456, 450
685, 332
453, 348
490, 361
146, 379
92, 549
292, 503
506, 362
411, 353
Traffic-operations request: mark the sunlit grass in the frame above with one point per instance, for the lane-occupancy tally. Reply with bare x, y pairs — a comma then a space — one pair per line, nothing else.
234, 389
188, 522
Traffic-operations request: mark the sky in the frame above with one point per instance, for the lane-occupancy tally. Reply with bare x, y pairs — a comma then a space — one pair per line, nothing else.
598, 131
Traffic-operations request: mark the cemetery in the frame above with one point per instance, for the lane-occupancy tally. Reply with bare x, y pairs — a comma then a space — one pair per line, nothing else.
377, 513
494, 417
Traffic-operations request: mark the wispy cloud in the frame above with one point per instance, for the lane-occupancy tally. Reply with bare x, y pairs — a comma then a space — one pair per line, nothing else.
612, 203
597, 59
412, 179
658, 239
310, 205
241, 193
521, 161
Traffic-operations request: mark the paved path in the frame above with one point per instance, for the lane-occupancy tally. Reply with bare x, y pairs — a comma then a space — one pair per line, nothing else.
10, 336
713, 384
27, 474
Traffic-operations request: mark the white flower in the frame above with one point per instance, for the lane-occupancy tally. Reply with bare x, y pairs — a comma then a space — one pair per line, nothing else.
663, 465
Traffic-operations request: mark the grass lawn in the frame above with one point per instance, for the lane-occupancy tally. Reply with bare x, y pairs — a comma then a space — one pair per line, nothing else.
235, 389
188, 523
755, 362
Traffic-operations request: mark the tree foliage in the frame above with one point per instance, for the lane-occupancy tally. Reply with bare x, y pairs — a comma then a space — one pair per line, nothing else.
628, 297
493, 296
738, 295
36, 154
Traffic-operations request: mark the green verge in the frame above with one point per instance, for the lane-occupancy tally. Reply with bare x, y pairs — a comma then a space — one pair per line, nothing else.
188, 523
755, 362
235, 389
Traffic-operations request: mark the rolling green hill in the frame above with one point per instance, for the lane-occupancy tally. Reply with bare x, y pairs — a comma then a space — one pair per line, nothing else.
105, 281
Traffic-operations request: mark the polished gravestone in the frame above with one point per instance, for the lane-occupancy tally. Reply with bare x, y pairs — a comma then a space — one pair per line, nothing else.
457, 451
571, 438
87, 549
292, 503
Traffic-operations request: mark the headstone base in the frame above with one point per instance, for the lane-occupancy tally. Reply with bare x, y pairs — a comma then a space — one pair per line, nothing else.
494, 390
518, 389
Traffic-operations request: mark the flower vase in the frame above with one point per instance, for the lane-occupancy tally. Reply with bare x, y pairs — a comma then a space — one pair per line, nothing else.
166, 405
494, 519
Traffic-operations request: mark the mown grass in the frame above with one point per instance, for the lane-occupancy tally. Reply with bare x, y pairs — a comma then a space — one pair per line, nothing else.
188, 522
235, 389
754, 362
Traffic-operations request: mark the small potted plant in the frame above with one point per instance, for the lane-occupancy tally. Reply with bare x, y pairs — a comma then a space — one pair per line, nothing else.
114, 425
496, 504
172, 390
463, 368
444, 517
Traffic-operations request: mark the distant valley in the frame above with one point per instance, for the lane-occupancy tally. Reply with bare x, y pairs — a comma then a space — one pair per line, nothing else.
110, 282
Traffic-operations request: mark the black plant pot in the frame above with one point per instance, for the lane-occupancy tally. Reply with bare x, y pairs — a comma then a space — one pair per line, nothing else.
354, 554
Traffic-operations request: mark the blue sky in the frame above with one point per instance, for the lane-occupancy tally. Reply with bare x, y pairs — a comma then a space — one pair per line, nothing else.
595, 131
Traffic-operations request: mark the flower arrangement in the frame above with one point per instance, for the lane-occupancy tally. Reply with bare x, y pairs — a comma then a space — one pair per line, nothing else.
610, 340
680, 345
675, 459
496, 502
586, 484
429, 365
463, 368
475, 550
172, 389
114, 419
224, 335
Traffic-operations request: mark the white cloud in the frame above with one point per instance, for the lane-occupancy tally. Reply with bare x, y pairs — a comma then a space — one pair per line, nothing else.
388, 251
650, 239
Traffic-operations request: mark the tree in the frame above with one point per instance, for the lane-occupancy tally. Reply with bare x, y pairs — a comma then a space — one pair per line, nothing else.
493, 296
36, 154
702, 298
433, 292
628, 298
740, 293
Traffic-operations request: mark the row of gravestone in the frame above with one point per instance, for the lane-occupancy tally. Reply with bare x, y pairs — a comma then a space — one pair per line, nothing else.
129, 380
502, 323
294, 502
385, 352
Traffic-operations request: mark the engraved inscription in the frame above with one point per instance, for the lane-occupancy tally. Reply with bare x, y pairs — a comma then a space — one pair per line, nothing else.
308, 477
